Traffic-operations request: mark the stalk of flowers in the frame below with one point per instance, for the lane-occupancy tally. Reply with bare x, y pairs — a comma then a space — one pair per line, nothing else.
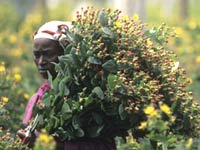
8, 142
114, 68
11, 94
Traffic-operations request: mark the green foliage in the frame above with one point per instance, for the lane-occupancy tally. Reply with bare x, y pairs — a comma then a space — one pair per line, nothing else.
117, 76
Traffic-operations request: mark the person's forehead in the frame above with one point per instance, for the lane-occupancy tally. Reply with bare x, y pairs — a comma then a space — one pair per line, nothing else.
44, 42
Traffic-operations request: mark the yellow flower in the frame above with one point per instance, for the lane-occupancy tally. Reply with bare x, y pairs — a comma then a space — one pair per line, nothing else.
2, 68
17, 77
192, 25
44, 138
143, 125
118, 24
150, 110
43, 130
189, 143
4, 99
16, 52
179, 31
165, 109
135, 17
125, 17
12, 39
26, 96
198, 59
149, 42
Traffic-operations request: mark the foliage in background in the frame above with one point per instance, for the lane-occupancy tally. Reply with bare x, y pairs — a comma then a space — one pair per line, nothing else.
11, 95
9, 113
118, 76
187, 48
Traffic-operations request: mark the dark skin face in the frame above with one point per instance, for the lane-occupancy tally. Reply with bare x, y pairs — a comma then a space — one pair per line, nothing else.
46, 51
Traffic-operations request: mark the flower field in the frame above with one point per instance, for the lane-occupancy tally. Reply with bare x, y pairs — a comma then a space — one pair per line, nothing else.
19, 79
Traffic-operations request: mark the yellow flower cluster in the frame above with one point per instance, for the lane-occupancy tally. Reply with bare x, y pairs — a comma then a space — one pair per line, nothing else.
192, 24
2, 68
135, 17
143, 125
124, 18
44, 137
165, 109
26, 96
179, 31
149, 42
16, 52
12, 39
17, 77
189, 143
150, 111
3, 101
198, 59
118, 24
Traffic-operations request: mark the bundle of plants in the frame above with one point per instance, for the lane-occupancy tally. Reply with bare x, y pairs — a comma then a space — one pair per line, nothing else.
116, 76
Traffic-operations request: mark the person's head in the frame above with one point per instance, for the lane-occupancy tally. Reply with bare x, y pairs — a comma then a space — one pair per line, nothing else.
46, 47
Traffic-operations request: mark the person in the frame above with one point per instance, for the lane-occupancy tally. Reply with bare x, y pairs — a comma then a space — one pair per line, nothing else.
46, 50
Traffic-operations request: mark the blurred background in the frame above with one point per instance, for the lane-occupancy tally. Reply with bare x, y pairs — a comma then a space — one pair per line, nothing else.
20, 18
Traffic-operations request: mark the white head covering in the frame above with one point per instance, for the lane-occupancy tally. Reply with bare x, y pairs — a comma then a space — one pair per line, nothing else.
52, 30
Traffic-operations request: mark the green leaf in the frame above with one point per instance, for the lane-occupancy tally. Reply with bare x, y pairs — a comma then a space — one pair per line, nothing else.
50, 78
186, 122
100, 128
98, 91
75, 122
108, 32
66, 116
110, 109
94, 60
47, 101
70, 36
103, 20
76, 60
98, 118
58, 67
78, 38
58, 106
88, 100
111, 81
122, 112
55, 100
51, 122
66, 91
40, 119
110, 66
66, 108
62, 87
68, 58
95, 131
79, 132
145, 144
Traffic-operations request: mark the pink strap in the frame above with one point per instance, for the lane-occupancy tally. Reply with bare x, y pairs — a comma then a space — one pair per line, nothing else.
33, 100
